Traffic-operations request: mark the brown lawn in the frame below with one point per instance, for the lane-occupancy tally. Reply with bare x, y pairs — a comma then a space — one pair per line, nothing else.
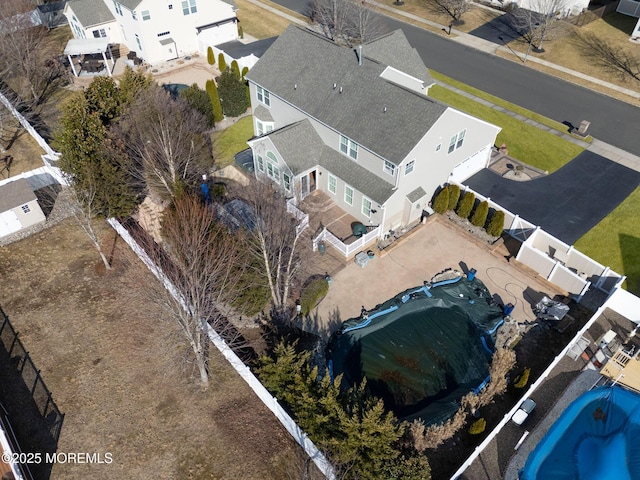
118, 371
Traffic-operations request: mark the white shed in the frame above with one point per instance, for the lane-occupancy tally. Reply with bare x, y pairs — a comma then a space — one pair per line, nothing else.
19, 207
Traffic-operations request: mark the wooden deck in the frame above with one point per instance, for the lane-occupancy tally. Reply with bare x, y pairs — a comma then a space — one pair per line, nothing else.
623, 369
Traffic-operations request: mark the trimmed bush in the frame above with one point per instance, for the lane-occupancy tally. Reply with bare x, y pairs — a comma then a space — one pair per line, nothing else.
245, 70
211, 58
222, 63
235, 69
240, 32
466, 205
312, 294
441, 201
496, 224
479, 217
200, 101
216, 106
454, 196
478, 426
522, 379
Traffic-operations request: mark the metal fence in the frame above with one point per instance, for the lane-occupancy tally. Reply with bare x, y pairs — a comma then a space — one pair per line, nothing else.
31, 377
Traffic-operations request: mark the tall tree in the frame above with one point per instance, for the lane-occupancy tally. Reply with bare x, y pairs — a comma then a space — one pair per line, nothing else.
454, 9
275, 240
23, 55
216, 106
233, 94
165, 141
540, 21
204, 264
350, 22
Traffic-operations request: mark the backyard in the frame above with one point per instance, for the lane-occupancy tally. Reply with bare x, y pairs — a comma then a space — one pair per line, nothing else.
118, 371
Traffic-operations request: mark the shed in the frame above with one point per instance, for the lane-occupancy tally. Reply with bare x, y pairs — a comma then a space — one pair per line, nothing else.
19, 207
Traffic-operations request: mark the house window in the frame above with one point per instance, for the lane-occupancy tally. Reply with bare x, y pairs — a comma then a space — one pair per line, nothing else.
99, 33
146, 15
116, 5
272, 167
348, 194
138, 42
263, 96
389, 167
286, 179
333, 184
189, 6
259, 128
438, 147
348, 147
366, 207
25, 208
456, 141
408, 168
260, 162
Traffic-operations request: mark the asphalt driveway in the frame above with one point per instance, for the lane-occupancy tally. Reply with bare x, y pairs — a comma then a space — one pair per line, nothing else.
567, 203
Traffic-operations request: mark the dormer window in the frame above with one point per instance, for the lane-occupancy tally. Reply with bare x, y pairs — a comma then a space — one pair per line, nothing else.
348, 147
389, 167
263, 96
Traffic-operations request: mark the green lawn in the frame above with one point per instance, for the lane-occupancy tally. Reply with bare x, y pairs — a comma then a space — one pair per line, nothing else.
230, 141
615, 241
525, 142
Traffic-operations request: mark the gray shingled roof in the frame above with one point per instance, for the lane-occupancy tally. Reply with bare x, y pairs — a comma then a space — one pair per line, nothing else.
302, 148
91, 12
131, 4
299, 144
262, 113
394, 50
14, 194
377, 114
416, 195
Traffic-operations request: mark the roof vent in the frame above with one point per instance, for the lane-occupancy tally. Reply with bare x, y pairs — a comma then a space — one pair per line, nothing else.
335, 85
340, 90
384, 110
295, 86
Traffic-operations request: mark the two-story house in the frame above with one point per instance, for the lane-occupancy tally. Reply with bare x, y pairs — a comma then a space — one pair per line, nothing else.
157, 30
359, 126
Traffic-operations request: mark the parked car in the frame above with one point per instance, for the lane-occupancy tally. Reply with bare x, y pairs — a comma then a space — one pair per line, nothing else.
523, 412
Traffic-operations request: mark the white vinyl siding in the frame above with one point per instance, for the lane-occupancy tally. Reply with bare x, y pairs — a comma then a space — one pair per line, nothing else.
348, 195
366, 207
389, 168
409, 167
333, 184
348, 147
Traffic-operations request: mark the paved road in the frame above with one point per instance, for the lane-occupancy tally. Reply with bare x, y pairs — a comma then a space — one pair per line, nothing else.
567, 203
612, 121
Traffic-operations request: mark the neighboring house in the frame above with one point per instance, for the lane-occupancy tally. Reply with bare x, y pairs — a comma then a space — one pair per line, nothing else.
157, 30
19, 207
52, 14
631, 8
359, 126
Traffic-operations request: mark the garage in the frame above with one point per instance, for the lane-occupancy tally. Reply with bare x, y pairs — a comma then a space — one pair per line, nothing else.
216, 33
471, 165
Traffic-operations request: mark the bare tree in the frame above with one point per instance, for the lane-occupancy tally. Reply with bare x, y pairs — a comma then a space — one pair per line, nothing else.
351, 22
614, 59
275, 240
165, 139
452, 8
22, 52
204, 265
541, 20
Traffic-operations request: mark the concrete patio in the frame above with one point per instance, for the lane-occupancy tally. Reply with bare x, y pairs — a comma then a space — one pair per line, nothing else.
426, 251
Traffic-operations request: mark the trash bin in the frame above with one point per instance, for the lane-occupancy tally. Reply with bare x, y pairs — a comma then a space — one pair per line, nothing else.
471, 274
358, 229
508, 309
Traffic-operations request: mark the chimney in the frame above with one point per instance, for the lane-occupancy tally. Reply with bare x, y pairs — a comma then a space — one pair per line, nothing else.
359, 54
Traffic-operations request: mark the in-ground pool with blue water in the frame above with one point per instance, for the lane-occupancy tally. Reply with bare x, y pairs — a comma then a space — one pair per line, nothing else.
596, 438
422, 350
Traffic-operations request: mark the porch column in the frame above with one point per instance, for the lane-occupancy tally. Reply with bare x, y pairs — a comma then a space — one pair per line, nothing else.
73, 68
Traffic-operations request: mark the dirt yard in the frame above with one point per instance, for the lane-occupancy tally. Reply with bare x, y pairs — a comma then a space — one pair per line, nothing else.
117, 371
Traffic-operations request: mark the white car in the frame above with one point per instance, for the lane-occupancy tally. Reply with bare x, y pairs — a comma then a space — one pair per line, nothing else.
523, 412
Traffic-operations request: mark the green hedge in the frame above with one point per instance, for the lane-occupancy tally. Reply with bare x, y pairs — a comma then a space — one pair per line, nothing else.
479, 217
312, 294
211, 58
496, 224
454, 196
441, 201
466, 205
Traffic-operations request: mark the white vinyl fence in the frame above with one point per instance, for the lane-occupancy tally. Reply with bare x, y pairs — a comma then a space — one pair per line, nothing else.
557, 262
244, 371
302, 217
346, 249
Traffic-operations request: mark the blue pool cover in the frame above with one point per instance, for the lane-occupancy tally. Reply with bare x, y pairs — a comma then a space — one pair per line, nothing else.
596, 437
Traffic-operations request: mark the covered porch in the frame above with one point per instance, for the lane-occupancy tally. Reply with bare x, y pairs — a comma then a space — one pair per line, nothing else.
90, 56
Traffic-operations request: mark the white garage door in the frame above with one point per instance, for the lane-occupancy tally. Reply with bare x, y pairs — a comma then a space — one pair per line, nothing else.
471, 165
9, 223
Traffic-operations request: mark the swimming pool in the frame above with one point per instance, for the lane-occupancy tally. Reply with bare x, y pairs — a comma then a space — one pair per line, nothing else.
422, 350
596, 437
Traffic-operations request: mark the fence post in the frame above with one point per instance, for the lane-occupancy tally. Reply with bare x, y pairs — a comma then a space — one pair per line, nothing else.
35, 382
4, 322
15, 339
